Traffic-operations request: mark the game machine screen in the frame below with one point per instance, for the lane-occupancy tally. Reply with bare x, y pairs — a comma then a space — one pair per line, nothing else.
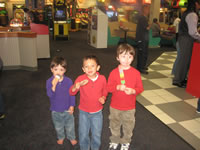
60, 14
3, 14
111, 13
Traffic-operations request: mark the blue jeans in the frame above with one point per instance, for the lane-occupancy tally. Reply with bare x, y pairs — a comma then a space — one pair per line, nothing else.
87, 122
198, 105
1, 104
177, 58
63, 121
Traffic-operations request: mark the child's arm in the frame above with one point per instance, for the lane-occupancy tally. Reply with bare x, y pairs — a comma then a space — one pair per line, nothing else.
102, 99
139, 86
55, 82
112, 83
50, 92
75, 88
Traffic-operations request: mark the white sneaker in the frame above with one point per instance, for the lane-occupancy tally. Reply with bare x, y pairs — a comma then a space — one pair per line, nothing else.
113, 146
125, 146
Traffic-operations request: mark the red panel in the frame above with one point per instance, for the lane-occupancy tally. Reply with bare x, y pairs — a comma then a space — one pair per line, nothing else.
146, 1
128, 1
193, 84
39, 28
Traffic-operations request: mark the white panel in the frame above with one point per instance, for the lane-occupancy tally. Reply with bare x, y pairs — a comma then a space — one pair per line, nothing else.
9, 51
28, 52
43, 49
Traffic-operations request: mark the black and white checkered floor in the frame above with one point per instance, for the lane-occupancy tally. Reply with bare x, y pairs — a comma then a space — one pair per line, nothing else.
172, 105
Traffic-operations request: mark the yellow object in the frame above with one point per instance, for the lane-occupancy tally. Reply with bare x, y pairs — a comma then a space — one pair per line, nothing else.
61, 30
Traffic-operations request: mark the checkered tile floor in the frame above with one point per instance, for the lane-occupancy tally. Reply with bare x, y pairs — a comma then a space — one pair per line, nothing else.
172, 105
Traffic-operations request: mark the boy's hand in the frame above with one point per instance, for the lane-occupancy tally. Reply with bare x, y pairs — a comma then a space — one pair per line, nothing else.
71, 110
54, 83
79, 84
129, 91
84, 82
121, 87
102, 100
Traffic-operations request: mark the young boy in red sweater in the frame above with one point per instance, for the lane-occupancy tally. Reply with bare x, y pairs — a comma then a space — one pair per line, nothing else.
93, 92
125, 84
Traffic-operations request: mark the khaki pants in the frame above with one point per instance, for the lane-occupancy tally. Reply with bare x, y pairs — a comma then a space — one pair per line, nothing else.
124, 119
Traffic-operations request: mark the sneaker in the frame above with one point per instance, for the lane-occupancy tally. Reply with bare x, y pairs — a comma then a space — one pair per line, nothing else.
113, 146
125, 146
198, 111
2, 116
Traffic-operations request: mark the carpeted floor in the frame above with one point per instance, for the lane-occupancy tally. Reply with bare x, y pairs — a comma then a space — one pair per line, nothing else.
28, 124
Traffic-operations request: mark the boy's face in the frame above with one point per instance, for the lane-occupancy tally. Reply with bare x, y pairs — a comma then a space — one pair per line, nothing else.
58, 70
125, 59
90, 68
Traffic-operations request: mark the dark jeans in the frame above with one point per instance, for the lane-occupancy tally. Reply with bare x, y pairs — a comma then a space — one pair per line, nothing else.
142, 54
198, 105
1, 104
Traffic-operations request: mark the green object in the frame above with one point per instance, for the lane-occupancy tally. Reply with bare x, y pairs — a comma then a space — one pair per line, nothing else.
112, 40
153, 41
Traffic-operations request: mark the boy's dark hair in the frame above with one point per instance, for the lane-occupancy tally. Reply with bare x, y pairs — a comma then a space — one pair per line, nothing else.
155, 20
125, 48
91, 57
57, 60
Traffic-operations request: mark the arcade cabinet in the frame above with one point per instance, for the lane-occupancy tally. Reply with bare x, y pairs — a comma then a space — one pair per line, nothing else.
49, 16
61, 30
3, 14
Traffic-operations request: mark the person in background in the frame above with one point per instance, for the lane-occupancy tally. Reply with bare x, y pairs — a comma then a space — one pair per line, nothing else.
155, 28
125, 84
142, 37
176, 26
187, 35
2, 109
93, 93
61, 103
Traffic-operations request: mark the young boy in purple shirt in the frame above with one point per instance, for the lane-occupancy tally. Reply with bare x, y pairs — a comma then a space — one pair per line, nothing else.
62, 104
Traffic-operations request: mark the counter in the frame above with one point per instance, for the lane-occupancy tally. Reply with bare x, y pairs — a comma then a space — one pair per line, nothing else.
18, 50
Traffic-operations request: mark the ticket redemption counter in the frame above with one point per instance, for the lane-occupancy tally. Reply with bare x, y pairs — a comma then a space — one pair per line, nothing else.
18, 50
194, 72
97, 29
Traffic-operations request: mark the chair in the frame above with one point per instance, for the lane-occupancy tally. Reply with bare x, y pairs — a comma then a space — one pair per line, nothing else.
153, 41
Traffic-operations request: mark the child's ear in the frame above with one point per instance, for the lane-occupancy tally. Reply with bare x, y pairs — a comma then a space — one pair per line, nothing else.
98, 67
83, 69
117, 58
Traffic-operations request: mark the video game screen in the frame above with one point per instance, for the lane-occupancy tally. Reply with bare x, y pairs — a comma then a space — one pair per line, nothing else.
60, 14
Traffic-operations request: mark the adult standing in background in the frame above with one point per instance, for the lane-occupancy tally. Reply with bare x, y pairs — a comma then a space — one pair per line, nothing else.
187, 34
176, 26
142, 36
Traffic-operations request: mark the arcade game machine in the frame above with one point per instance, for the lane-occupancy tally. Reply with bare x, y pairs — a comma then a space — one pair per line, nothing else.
19, 14
84, 18
3, 14
61, 30
49, 16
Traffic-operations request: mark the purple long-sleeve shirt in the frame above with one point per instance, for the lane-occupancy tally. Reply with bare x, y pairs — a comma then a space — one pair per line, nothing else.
60, 100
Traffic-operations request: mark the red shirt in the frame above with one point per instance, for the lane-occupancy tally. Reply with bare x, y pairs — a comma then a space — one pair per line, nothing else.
90, 93
120, 100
